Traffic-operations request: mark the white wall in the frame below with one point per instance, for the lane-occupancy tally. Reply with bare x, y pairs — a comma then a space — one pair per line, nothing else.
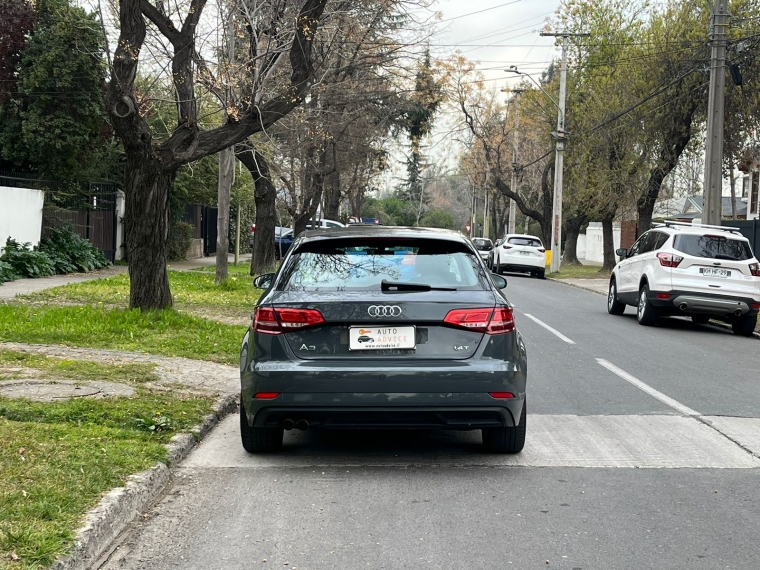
580, 248
594, 245
20, 214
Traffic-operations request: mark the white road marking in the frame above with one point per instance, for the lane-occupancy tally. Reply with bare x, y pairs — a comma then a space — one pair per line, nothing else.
624, 441
550, 329
667, 400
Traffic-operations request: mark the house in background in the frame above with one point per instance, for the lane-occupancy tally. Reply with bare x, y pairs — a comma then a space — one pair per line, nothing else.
689, 208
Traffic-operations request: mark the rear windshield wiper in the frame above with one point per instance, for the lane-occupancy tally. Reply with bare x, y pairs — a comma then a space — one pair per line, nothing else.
405, 286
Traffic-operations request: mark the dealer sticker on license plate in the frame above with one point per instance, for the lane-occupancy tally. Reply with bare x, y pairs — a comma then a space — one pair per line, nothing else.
715, 272
376, 338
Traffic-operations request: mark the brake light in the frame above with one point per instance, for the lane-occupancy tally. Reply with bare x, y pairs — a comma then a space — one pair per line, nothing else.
754, 269
505, 246
542, 250
269, 320
756, 306
501, 395
253, 228
489, 321
663, 296
669, 259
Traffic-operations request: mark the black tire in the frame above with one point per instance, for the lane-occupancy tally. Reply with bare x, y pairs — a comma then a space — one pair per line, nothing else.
614, 307
646, 313
507, 439
259, 439
700, 319
744, 326
498, 270
541, 274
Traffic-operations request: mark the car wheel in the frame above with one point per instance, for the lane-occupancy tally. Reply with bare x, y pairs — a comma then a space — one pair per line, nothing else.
259, 439
646, 313
541, 274
614, 307
744, 326
507, 439
700, 319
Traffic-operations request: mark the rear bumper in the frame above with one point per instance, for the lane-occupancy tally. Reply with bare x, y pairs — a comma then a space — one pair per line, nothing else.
717, 306
522, 263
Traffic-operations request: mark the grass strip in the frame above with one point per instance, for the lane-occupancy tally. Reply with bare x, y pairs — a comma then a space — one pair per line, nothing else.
59, 458
77, 369
166, 332
579, 272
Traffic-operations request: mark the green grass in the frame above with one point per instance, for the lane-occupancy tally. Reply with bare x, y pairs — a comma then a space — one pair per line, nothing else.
244, 268
76, 369
167, 332
190, 290
59, 458
579, 272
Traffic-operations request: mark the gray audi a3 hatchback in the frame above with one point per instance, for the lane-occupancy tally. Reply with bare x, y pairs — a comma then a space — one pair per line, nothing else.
383, 327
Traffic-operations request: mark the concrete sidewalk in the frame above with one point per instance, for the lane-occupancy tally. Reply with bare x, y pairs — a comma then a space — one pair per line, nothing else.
594, 285
12, 289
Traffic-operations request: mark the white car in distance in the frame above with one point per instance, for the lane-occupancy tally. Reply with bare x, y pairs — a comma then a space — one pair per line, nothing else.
522, 253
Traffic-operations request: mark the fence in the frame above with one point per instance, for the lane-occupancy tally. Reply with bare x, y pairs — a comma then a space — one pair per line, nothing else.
749, 229
203, 219
88, 208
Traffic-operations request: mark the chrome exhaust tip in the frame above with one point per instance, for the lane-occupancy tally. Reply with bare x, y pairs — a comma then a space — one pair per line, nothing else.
288, 424
738, 312
683, 306
303, 425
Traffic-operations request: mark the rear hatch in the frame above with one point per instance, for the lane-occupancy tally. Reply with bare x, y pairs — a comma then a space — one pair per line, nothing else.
714, 264
357, 324
528, 248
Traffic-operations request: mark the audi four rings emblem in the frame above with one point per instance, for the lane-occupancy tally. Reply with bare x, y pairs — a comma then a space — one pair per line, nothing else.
384, 311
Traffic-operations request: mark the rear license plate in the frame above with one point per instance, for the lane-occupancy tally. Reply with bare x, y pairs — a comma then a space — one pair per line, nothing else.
524, 253
715, 272
380, 338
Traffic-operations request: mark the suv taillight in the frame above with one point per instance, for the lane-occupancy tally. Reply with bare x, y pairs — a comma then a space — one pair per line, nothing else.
505, 246
269, 320
754, 269
489, 321
669, 259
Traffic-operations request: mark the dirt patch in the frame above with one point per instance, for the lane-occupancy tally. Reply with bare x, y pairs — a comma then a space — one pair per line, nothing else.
45, 390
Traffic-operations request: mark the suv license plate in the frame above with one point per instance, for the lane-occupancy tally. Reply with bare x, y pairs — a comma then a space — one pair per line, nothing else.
380, 338
715, 272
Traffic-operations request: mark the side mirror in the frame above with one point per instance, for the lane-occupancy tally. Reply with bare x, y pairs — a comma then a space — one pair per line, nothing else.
621, 253
264, 281
499, 281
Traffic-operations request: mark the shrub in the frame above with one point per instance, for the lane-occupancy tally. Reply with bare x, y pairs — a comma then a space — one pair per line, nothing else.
70, 252
6, 272
180, 239
25, 261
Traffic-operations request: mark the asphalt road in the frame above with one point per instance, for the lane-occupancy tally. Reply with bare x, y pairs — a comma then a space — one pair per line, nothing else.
643, 451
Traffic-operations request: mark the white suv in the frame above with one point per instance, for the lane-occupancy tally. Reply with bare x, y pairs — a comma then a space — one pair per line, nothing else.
705, 272
520, 252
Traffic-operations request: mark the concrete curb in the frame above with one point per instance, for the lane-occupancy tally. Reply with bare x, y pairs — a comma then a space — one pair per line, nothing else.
575, 285
122, 505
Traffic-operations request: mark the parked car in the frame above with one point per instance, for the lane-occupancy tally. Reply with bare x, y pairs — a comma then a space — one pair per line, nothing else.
282, 243
484, 247
522, 253
704, 272
446, 351
277, 231
491, 253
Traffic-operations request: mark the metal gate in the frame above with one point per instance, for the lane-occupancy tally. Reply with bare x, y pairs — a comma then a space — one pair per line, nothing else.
88, 208
209, 230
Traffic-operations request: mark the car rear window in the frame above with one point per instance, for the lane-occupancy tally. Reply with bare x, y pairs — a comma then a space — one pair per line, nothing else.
483, 244
362, 264
713, 247
528, 241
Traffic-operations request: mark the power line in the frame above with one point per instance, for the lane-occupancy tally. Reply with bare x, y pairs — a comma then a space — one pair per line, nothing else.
480, 11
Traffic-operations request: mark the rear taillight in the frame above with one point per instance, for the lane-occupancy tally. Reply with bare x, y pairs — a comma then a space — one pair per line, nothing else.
542, 250
253, 229
501, 395
669, 259
505, 246
266, 395
487, 321
269, 320
754, 269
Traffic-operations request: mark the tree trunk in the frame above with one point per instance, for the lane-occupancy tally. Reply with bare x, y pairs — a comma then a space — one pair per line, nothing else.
226, 174
332, 196
608, 243
146, 230
264, 195
571, 241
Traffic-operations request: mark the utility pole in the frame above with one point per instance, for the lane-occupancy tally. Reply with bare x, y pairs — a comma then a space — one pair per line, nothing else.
561, 138
515, 161
712, 213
